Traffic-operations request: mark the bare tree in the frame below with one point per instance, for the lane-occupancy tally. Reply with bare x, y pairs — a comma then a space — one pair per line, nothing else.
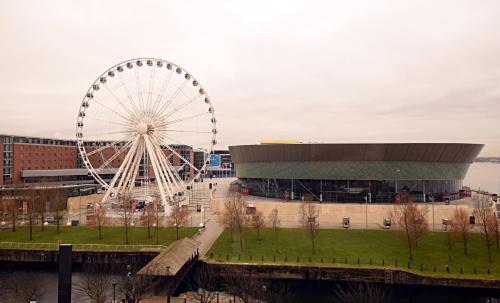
94, 283
149, 216
484, 214
234, 216
460, 227
135, 287
57, 203
178, 218
31, 197
494, 227
100, 217
411, 221
126, 209
204, 284
361, 293
274, 221
258, 221
11, 206
310, 221
252, 289
23, 287
41, 203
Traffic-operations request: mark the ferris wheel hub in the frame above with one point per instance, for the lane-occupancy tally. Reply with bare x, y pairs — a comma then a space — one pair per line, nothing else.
142, 128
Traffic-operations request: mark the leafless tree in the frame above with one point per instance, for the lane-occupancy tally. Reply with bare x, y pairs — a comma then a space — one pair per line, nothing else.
494, 226
57, 202
310, 221
11, 206
100, 217
252, 289
460, 227
178, 218
44, 194
361, 293
484, 214
204, 284
234, 216
258, 221
274, 221
125, 203
23, 287
31, 198
148, 217
135, 287
411, 221
94, 283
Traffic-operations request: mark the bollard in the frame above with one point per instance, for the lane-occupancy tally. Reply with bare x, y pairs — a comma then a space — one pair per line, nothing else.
447, 269
383, 262
358, 260
321, 259
461, 270
251, 257
227, 257
396, 262
211, 255
274, 258
421, 267
286, 258
346, 260
298, 259
262, 258
488, 271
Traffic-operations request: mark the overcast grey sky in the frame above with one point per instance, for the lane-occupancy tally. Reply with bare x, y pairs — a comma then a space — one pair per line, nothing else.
316, 71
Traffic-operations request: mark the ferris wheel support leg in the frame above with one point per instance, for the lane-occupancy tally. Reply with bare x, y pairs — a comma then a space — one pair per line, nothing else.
126, 173
158, 174
171, 180
156, 159
117, 175
130, 177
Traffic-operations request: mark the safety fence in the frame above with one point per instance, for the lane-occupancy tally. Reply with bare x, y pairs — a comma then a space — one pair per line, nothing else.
357, 261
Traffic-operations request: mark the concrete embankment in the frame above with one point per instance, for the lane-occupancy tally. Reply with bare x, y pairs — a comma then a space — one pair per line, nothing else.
343, 274
79, 257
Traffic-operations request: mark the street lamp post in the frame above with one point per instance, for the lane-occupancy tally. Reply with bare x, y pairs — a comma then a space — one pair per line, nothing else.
114, 292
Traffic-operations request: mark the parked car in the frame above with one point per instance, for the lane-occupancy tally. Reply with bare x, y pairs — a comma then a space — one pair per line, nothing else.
345, 222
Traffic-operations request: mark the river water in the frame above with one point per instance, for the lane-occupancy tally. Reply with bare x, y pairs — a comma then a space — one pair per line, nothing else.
485, 176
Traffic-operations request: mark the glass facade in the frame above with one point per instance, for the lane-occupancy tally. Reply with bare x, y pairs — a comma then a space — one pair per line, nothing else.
375, 191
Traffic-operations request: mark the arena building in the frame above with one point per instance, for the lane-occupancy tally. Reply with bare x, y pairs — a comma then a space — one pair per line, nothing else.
375, 173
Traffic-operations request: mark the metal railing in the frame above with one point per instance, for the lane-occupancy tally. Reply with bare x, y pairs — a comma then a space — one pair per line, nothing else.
78, 247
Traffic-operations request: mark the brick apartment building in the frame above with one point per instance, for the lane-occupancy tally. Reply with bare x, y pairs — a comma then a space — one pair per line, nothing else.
26, 160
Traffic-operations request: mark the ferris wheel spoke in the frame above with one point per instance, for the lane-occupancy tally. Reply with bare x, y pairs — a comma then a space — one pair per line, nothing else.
182, 158
112, 144
187, 118
163, 89
178, 108
108, 121
114, 156
127, 110
162, 163
128, 132
129, 96
110, 109
184, 131
151, 87
172, 97
139, 90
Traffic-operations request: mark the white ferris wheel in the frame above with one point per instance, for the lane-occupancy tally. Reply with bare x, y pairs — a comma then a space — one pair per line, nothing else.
138, 125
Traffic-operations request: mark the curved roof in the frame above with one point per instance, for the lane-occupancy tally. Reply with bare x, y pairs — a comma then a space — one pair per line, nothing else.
424, 152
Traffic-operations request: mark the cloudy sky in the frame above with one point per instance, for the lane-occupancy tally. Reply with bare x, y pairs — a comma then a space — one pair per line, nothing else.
316, 71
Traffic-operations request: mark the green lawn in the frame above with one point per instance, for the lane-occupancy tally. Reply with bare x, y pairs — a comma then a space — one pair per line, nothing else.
90, 235
384, 247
